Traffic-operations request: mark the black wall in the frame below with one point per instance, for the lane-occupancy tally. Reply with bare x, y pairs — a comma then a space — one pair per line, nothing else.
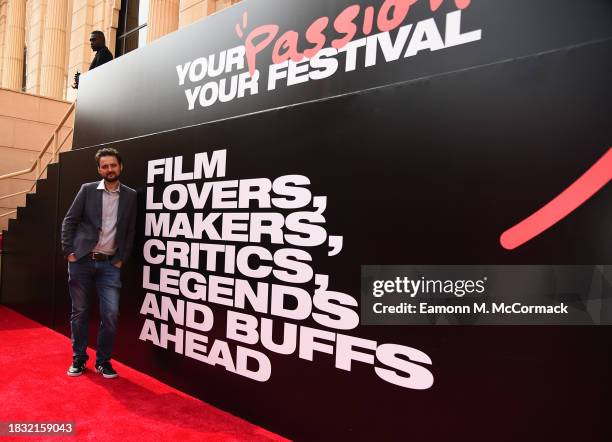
424, 173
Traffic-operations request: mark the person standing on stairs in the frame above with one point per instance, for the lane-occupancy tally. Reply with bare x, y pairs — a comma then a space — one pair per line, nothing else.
97, 238
103, 55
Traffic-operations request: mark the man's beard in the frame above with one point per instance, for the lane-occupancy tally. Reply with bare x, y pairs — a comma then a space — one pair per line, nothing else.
111, 180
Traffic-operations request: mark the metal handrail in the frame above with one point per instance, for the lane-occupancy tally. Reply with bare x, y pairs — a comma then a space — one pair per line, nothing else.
37, 163
41, 173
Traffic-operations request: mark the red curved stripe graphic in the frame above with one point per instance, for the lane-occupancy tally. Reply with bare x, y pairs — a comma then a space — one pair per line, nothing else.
565, 203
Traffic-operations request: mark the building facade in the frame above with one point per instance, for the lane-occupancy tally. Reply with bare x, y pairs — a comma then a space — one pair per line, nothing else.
43, 43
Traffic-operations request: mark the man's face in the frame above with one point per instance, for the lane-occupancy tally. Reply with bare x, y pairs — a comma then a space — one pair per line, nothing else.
95, 40
109, 168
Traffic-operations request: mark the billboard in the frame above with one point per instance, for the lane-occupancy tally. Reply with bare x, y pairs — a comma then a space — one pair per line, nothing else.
254, 233
264, 54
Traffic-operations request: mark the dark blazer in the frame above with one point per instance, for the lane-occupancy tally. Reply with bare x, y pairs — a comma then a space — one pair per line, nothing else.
82, 224
101, 57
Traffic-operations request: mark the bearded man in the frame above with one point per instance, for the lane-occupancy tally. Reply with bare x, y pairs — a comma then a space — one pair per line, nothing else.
97, 237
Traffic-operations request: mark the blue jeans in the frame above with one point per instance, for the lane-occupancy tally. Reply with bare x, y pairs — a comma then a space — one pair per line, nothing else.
84, 275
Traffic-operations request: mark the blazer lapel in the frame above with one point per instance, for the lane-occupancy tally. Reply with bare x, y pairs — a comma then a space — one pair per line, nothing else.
98, 194
122, 201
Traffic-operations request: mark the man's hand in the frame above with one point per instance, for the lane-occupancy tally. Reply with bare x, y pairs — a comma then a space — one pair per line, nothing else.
118, 264
72, 258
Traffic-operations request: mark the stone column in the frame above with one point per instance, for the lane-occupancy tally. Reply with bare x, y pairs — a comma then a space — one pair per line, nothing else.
163, 18
14, 44
53, 63
2, 32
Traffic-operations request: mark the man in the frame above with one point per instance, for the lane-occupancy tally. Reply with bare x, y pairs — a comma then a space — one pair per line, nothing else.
103, 55
97, 237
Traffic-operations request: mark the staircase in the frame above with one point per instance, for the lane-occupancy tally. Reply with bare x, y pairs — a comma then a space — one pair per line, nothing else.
31, 286
55, 143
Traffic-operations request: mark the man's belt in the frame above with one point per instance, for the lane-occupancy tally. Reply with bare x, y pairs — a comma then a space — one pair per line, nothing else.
100, 256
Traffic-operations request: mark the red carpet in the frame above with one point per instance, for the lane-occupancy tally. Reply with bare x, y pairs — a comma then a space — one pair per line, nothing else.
34, 387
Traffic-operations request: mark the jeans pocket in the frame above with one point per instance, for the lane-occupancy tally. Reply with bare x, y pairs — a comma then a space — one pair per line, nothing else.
114, 266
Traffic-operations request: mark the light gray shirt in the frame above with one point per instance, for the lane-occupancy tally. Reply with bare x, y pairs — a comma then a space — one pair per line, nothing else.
110, 204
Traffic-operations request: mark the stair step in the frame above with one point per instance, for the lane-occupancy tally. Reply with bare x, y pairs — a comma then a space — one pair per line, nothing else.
53, 168
21, 212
